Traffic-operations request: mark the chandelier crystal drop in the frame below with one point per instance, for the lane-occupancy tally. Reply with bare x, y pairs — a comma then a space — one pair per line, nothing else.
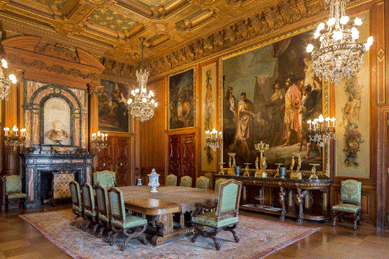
142, 104
339, 55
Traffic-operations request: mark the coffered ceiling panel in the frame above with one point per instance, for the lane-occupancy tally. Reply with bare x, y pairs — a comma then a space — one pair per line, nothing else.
111, 20
177, 32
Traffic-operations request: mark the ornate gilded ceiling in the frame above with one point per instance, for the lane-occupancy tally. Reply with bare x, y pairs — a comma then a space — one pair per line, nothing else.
178, 32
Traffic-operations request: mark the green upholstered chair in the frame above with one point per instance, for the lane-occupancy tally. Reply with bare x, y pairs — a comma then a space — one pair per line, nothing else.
186, 181
202, 182
171, 180
219, 182
106, 179
90, 212
210, 177
350, 201
103, 210
224, 218
77, 207
122, 223
60, 186
12, 191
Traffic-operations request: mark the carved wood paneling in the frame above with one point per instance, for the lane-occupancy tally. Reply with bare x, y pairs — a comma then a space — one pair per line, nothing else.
182, 156
122, 161
104, 157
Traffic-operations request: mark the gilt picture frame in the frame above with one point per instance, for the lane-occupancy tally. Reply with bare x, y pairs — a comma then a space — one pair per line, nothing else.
182, 99
253, 89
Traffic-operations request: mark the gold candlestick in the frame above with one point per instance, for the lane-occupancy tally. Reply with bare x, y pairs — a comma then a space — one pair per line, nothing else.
297, 174
261, 147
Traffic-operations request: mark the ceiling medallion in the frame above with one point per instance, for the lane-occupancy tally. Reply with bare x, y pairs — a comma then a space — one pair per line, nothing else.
339, 55
142, 104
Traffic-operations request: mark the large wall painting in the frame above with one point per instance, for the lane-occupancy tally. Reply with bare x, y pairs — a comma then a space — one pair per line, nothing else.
113, 113
182, 103
208, 118
269, 94
352, 118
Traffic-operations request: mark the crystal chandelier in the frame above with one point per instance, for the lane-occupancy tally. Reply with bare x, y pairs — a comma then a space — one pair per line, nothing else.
339, 55
142, 104
214, 139
321, 132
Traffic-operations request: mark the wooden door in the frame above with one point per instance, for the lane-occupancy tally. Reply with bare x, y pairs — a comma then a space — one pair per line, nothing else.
105, 160
182, 156
188, 146
175, 155
122, 161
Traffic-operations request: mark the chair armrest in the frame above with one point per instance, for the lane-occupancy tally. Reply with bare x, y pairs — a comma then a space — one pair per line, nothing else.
200, 207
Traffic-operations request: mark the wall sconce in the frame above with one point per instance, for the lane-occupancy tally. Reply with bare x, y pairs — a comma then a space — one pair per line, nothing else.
12, 138
99, 140
321, 132
214, 139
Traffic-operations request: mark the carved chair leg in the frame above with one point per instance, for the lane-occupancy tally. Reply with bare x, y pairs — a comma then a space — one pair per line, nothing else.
136, 234
231, 229
75, 219
213, 237
81, 223
95, 229
356, 219
100, 234
336, 214
114, 238
86, 226
197, 232
108, 239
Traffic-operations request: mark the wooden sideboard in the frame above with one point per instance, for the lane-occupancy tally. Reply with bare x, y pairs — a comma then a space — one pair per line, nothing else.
301, 199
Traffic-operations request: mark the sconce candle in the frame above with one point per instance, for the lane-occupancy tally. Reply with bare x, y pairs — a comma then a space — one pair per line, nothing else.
321, 132
214, 139
99, 140
12, 137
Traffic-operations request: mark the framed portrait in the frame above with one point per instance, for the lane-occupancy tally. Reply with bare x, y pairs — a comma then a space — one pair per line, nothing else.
268, 94
113, 112
182, 101
352, 102
209, 114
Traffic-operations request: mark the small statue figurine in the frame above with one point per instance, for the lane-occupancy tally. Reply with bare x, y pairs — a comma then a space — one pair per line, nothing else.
247, 172
264, 166
297, 174
313, 172
221, 168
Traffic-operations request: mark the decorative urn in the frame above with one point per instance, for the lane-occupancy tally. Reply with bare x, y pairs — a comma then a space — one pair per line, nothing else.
153, 181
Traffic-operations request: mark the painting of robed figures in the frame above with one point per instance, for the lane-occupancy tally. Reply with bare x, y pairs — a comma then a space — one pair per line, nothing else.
269, 94
181, 100
113, 112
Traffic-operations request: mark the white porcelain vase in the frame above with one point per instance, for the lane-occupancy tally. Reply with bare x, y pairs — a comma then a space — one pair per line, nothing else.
153, 181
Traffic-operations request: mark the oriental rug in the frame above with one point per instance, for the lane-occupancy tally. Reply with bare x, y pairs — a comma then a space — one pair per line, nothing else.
258, 238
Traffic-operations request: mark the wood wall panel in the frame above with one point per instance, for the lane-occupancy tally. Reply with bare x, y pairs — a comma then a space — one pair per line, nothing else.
152, 132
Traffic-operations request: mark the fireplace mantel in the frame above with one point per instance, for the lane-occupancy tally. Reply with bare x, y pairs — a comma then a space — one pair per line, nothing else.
34, 164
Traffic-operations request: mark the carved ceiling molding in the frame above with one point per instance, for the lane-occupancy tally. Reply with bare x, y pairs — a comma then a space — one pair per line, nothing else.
29, 53
267, 20
115, 69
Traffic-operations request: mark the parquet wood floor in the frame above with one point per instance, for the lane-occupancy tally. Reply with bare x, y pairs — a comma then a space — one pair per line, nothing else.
20, 240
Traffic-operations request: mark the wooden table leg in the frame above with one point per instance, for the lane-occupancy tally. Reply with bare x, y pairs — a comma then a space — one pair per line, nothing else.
166, 222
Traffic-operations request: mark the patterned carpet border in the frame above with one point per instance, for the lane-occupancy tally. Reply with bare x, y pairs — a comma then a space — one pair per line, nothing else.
261, 254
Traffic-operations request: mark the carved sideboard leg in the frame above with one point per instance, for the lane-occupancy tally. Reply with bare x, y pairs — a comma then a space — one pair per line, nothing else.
299, 202
282, 201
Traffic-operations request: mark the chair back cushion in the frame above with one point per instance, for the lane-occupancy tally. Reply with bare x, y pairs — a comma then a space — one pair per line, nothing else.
350, 192
60, 184
106, 179
13, 184
102, 202
210, 177
88, 199
116, 202
76, 194
171, 180
186, 181
229, 197
219, 182
202, 182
